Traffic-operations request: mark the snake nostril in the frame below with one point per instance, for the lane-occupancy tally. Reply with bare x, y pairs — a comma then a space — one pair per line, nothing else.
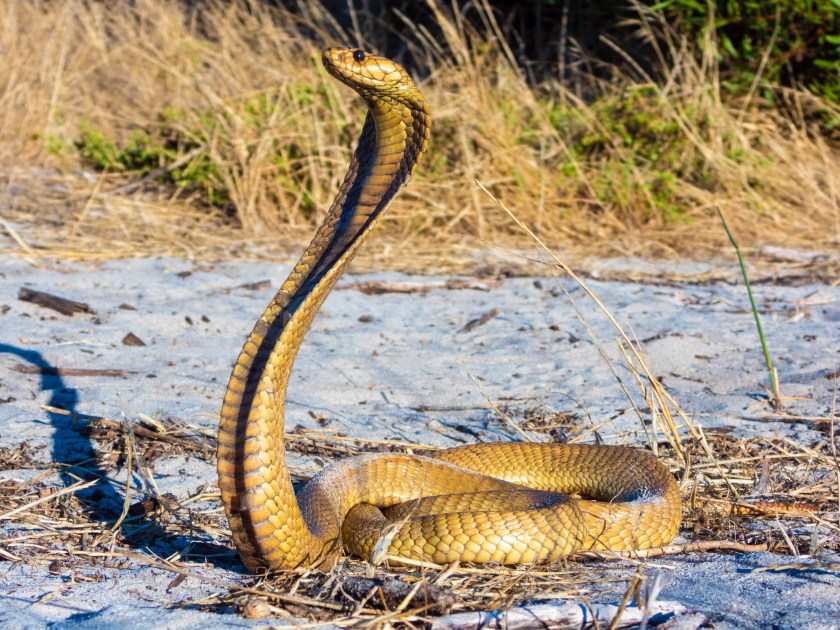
359, 55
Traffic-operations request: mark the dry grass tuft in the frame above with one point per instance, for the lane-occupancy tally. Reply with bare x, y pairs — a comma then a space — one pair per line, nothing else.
237, 109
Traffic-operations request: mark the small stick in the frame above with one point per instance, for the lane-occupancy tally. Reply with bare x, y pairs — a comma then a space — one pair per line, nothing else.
54, 371
671, 550
210, 442
631, 589
480, 321
789, 542
832, 441
394, 594
378, 287
8, 556
54, 302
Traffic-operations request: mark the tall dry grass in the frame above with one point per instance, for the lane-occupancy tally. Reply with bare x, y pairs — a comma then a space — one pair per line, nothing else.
243, 84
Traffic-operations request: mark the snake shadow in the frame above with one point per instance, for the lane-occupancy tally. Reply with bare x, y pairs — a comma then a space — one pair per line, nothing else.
74, 452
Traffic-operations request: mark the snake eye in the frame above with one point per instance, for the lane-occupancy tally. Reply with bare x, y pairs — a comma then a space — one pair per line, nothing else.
359, 55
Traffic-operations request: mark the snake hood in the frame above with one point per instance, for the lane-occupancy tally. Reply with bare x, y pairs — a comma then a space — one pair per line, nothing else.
394, 137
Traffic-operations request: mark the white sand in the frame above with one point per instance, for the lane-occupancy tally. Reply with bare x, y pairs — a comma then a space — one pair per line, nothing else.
700, 339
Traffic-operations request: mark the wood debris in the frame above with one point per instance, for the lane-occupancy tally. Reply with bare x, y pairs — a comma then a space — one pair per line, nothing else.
54, 302
378, 287
480, 321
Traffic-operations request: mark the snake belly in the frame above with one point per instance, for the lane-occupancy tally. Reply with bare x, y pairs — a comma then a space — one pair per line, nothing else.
505, 503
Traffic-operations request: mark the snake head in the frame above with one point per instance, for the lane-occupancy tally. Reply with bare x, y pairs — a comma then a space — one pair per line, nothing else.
375, 78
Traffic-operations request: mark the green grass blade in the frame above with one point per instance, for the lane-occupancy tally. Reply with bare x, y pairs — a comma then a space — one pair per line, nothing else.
774, 381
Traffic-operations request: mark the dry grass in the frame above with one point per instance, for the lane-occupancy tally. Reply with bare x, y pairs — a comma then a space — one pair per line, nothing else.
58, 528
244, 85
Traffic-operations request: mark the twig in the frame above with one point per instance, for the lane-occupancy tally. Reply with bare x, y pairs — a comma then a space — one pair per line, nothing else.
480, 321
208, 444
395, 594
54, 302
788, 541
8, 556
671, 550
378, 287
54, 371
631, 588
652, 590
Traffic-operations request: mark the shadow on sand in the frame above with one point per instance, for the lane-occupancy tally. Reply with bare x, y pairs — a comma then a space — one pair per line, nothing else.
74, 453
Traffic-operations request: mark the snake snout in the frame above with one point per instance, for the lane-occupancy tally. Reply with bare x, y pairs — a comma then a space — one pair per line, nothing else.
344, 63
332, 56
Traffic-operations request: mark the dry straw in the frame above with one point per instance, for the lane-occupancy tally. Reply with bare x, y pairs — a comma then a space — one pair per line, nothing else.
57, 528
240, 86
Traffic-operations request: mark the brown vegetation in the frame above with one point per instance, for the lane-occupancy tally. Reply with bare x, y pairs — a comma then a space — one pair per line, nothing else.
240, 140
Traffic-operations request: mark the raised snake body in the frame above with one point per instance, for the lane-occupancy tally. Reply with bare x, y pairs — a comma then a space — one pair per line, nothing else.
460, 504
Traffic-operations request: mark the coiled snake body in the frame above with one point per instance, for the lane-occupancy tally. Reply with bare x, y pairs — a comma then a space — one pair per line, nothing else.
464, 503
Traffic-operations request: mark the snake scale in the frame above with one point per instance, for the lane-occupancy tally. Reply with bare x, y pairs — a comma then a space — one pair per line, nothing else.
504, 503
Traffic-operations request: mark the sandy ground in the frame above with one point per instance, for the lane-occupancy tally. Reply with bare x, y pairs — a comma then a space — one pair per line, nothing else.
399, 367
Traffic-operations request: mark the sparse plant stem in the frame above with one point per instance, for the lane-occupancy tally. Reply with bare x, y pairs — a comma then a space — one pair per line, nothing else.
774, 375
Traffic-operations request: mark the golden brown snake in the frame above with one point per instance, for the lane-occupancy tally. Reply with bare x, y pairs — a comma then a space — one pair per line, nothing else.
463, 503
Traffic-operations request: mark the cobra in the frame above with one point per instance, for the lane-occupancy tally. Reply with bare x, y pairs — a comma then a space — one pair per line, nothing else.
509, 503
